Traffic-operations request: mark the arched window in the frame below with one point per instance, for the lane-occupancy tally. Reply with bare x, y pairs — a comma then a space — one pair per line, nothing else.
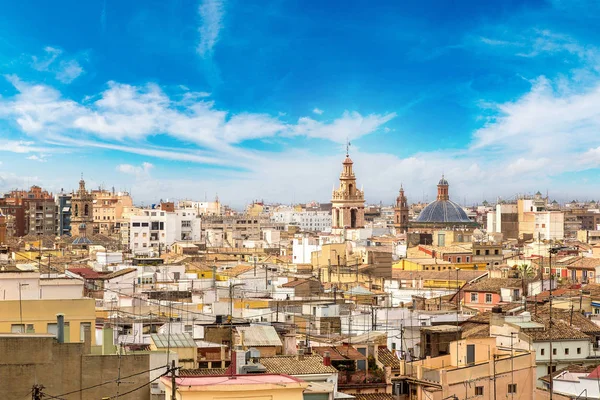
350, 187
76, 210
85, 210
353, 218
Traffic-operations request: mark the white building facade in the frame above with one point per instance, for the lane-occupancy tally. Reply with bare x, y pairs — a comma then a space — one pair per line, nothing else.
157, 229
313, 221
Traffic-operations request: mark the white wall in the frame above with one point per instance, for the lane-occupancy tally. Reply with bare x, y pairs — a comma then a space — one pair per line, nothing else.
302, 249
34, 288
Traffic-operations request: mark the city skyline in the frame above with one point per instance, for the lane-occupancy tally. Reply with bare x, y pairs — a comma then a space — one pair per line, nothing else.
247, 102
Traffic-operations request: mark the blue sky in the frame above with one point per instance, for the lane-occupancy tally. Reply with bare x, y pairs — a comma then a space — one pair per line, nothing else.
254, 100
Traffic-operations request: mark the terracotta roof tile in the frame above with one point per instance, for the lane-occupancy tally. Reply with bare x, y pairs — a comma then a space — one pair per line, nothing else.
290, 365
387, 358
202, 371
493, 285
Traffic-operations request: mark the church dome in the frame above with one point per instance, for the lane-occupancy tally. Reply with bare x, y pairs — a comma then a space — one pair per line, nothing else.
443, 211
443, 181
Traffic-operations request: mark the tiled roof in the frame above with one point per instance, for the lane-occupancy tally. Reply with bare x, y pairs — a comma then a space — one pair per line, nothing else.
373, 396
560, 330
573, 368
294, 283
463, 275
493, 285
340, 353
237, 270
473, 330
86, 273
447, 249
119, 273
202, 371
259, 335
387, 358
290, 365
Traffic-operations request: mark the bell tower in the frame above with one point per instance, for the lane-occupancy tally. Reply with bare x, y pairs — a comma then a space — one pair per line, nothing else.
82, 210
348, 202
401, 212
443, 189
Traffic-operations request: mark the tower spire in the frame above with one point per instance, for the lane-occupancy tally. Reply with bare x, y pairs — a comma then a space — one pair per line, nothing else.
348, 144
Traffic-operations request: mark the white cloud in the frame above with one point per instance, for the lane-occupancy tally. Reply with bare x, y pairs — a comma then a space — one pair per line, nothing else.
318, 111
69, 71
211, 15
351, 125
65, 69
39, 158
142, 170
125, 112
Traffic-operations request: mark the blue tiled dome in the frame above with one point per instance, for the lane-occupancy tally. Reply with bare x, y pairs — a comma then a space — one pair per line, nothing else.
443, 211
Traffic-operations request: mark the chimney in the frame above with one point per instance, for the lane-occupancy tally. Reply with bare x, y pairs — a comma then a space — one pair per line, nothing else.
300, 356
240, 359
60, 325
327, 359
108, 340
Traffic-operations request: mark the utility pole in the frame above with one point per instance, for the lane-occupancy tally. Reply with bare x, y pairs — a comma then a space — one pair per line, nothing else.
550, 251
36, 392
512, 369
266, 278
173, 381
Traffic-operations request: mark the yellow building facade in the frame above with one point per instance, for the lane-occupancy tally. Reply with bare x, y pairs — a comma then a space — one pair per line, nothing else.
39, 316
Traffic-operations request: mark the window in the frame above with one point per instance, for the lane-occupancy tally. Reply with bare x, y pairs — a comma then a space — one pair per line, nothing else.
186, 224
474, 297
17, 328
135, 224
478, 390
468, 258
566, 351
496, 251
542, 351
579, 350
512, 388
478, 252
488, 297
487, 252
458, 259
554, 352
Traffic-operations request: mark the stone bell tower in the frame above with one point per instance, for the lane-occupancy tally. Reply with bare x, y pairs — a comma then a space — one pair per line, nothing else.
348, 202
401, 212
82, 210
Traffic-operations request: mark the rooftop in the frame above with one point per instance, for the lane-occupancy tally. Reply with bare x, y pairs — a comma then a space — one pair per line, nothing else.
463, 275
177, 340
290, 365
493, 285
340, 353
387, 358
259, 335
226, 380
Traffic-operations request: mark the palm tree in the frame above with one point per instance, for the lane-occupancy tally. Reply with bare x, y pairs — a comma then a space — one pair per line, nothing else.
526, 272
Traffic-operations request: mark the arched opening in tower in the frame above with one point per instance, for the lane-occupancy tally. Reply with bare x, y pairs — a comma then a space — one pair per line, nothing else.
353, 218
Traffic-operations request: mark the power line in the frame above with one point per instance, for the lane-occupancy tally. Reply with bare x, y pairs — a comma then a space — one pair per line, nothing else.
60, 396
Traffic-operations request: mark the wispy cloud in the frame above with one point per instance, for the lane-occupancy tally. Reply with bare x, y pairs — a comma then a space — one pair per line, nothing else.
211, 21
318, 111
66, 70
126, 112
38, 158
